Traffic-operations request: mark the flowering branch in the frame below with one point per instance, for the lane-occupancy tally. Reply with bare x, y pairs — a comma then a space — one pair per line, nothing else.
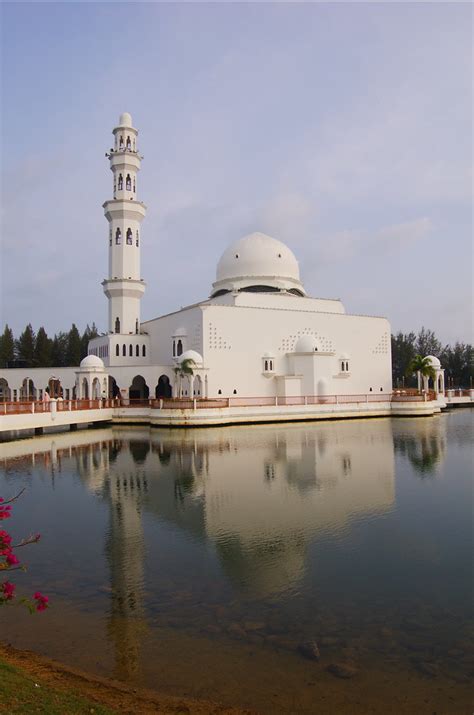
9, 561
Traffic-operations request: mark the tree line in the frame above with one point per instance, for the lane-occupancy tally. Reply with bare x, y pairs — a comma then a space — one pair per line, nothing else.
32, 349
457, 360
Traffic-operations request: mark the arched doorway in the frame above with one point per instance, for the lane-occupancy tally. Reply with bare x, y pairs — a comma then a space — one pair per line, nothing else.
163, 388
322, 387
27, 390
85, 389
138, 389
96, 391
5, 392
114, 389
197, 387
54, 387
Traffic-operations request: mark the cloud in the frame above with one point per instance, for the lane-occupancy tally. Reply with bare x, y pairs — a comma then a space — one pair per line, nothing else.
343, 246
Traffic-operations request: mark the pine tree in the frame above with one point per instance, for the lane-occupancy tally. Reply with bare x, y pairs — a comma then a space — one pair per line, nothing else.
87, 335
427, 343
43, 349
403, 351
58, 350
7, 347
26, 346
73, 351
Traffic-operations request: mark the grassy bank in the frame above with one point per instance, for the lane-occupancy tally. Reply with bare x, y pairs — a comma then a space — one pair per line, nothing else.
22, 694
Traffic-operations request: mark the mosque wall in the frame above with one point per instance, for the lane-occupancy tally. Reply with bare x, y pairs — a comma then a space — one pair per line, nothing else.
236, 339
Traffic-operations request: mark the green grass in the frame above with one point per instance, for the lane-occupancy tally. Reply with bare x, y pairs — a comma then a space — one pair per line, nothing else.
21, 694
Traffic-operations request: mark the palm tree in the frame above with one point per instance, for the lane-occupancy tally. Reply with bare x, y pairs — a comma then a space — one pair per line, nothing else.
423, 368
185, 367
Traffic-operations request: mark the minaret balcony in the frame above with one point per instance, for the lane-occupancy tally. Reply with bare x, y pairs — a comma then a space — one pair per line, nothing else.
124, 209
125, 160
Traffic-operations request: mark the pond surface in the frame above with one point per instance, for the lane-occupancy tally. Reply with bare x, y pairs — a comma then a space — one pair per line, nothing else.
197, 561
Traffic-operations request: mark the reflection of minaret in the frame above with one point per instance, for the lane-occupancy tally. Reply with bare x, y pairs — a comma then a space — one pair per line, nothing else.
125, 553
125, 549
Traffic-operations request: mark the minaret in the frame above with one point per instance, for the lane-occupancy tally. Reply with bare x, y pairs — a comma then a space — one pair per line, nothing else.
124, 287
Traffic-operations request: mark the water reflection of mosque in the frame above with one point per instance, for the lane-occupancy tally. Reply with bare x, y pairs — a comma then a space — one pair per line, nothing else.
258, 494
423, 443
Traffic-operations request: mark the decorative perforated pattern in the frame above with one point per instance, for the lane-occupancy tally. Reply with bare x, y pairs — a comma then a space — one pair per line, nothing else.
325, 344
216, 341
197, 336
382, 346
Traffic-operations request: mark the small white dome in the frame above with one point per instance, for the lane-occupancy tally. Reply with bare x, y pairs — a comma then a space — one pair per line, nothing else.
344, 356
257, 261
268, 354
125, 120
191, 355
92, 361
434, 361
306, 344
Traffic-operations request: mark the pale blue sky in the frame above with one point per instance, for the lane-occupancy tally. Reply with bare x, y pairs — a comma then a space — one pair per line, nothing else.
344, 130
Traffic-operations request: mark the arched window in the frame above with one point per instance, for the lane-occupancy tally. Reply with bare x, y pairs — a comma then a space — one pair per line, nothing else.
115, 185
117, 325
117, 350
174, 348
130, 350
120, 182
266, 365
370, 389
121, 141
129, 143
343, 366
136, 326
347, 367
137, 240
110, 237
128, 183
271, 364
179, 348
381, 389
118, 237
134, 185
144, 351
137, 351
129, 237
235, 392
124, 350
219, 392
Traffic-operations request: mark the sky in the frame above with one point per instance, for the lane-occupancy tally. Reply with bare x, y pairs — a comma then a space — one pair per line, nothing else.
341, 129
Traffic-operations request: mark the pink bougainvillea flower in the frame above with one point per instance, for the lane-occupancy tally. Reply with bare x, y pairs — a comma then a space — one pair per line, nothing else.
41, 601
11, 559
8, 590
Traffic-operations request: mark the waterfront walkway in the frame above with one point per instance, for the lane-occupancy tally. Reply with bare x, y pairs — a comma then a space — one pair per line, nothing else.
38, 416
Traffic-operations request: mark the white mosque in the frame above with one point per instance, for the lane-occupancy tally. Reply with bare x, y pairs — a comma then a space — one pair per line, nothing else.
258, 334
258, 340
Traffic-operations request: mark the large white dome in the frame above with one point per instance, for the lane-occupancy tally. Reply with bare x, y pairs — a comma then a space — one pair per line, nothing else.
257, 262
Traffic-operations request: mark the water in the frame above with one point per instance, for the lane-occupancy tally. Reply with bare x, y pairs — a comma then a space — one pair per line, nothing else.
196, 561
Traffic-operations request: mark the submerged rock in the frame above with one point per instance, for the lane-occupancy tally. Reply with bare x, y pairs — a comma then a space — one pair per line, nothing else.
309, 650
253, 626
342, 670
428, 669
